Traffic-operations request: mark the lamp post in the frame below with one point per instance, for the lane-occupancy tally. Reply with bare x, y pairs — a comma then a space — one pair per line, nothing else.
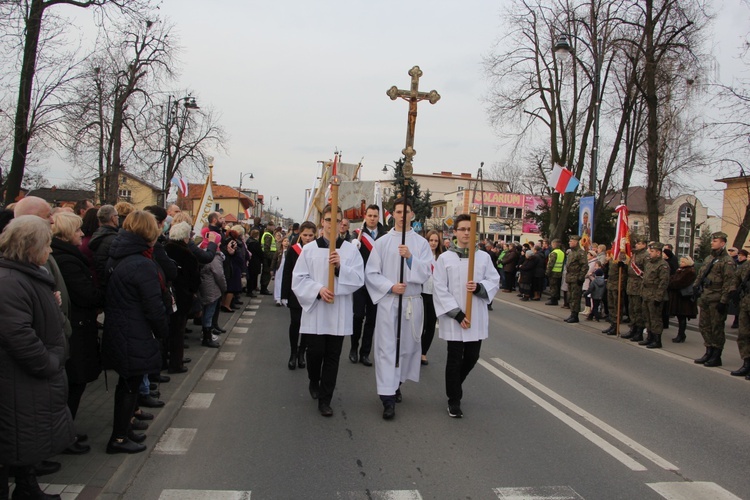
169, 160
563, 47
270, 205
242, 176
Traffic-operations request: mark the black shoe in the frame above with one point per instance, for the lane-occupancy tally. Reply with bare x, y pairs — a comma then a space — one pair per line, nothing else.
155, 394
186, 360
454, 411
77, 449
226, 309
314, 390
149, 401
743, 370
715, 359
44, 468
82, 437
301, 359
705, 357
551, 302
424, 362
325, 409
178, 370
573, 318
609, 330
365, 360
238, 302
218, 329
142, 415
637, 336
265, 292
135, 437
124, 446
389, 411
655, 342
138, 425
292, 363
161, 379
208, 342
353, 357
679, 339
399, 396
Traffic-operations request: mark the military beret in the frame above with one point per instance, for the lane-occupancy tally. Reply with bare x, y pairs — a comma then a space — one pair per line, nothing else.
575, 237
719, 235
656, 245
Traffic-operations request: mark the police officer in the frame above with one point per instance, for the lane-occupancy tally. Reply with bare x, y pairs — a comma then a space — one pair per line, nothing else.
742, 284
635, 280
716, 279
268, 242
555, 262
577, 268
617, 274
653, 295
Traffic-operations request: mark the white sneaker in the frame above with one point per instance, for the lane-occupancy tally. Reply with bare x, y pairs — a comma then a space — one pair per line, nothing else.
215, 338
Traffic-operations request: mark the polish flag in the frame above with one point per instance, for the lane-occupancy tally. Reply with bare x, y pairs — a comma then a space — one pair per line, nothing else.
562, 180
367, 240
622, 233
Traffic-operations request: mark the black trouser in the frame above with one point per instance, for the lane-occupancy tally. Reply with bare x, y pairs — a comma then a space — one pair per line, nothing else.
323, 353
295, 315
176, 340
510, 280
265, 274
428, 328
364, 312
462, 356
75, 392
126, 402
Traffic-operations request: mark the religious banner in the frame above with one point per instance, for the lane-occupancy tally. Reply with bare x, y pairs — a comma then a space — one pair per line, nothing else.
585, 217
206, 205
531, 204
622, 233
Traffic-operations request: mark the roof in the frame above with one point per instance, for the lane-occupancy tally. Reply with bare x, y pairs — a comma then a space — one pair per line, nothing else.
636, 200
55, 195
220, 191
732, 180
154, 187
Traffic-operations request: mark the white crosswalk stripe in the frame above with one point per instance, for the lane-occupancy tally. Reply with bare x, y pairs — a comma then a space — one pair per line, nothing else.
199, 401
215, 375
175, 441
226, 356
204, 495
697, 490
239, 329
381, 495
538, 493
233, 341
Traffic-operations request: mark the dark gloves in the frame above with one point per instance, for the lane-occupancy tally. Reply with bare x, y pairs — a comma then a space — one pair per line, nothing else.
460, 317
721, 308
580, 282
657, 303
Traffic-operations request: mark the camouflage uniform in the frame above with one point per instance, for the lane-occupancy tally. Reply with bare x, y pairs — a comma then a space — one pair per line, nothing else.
633, 289
577, 267
653, 295
613, 283
716, 288
742, 285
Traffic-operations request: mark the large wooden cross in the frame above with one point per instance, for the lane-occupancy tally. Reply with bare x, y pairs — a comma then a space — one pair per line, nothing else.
413, 95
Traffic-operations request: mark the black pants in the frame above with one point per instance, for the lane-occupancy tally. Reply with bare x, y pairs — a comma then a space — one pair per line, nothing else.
75, 392
323, 353
462, 356
510, 280
176, 340
295, 315
364, 312
126, 402
428, 330
265, 274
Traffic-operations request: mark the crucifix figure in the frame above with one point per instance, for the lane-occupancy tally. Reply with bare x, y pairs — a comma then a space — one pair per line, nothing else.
413, 95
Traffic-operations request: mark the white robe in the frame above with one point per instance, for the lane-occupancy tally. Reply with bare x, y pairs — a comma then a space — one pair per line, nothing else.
381, 274
449, 280
277, 280
310, 274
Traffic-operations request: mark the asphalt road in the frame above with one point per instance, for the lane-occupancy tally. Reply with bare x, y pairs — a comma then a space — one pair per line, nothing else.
551, 411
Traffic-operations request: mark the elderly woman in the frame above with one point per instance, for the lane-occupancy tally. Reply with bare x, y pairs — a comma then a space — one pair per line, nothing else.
185, 286
213, 285
135, 318
36, 420
84, 364
681, 303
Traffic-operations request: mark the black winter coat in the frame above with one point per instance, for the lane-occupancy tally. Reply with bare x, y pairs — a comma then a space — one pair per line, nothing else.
286, 280
84, 364
34, 416
135, 315
188, 279
256, 259
679, 305
99, 245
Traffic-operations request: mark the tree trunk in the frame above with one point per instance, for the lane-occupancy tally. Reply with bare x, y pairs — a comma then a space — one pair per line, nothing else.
21, 126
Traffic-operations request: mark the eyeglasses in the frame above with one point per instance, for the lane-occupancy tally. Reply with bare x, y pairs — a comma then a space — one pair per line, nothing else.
328, 219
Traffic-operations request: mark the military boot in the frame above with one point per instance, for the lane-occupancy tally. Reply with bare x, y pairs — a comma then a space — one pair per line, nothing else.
705, 357
638, 335
649, 338
743, 370
630, 333
573, 318
610, 330
715, 359
551, 302
655, 342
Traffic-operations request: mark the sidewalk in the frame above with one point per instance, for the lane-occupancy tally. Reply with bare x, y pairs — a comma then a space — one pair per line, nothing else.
98, 475
691, 349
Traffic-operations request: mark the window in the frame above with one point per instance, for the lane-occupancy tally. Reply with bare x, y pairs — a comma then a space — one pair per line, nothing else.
685, 230
124, 193
671, 229
636, 226
489, 211
698, 232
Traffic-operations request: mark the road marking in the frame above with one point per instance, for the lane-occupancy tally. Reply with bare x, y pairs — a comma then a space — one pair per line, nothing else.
249, 313
226, 356
66, 491
381, 495
215, 375
244, 321
199, 401
630, 443
253, 308
239, 329
233, 341
583, 431
175, 441
692, 491
256, 301
538, 493
204, 495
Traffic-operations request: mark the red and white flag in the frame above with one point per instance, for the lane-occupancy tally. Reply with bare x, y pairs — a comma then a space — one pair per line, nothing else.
562, 180
367, 240
622, 233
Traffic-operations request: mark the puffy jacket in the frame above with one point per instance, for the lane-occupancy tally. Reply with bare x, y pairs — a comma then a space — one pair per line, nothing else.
34, 416
213, 282
99, 245
135, 314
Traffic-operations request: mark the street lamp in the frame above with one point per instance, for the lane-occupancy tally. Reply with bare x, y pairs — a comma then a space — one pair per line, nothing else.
563, 47
172, 108
242, 176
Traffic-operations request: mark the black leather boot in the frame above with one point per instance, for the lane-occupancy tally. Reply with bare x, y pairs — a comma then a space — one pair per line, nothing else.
207, 340
638, 335
705, 357
573, 318
292, 364
655, 342
301, 358
610, 330
649, 338
681, 326
743, 370
630, 333
27, 487
715, 359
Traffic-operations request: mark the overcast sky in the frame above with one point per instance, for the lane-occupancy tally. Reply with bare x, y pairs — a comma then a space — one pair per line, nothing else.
293, 80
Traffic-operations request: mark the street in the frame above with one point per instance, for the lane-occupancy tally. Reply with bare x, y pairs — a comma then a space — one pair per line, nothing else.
551, 411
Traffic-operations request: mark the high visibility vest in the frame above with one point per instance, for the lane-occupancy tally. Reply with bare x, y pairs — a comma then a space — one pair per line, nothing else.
273, 241
559, 259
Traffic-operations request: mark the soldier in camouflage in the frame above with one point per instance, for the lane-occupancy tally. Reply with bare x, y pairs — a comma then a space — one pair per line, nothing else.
653, 295
635, 280
716, 280
617, 271
577, 267
742, 285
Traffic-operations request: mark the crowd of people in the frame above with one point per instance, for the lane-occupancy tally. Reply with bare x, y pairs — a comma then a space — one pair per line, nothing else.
111, 287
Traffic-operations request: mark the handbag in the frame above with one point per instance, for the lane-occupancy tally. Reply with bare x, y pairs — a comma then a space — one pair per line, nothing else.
687, 291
